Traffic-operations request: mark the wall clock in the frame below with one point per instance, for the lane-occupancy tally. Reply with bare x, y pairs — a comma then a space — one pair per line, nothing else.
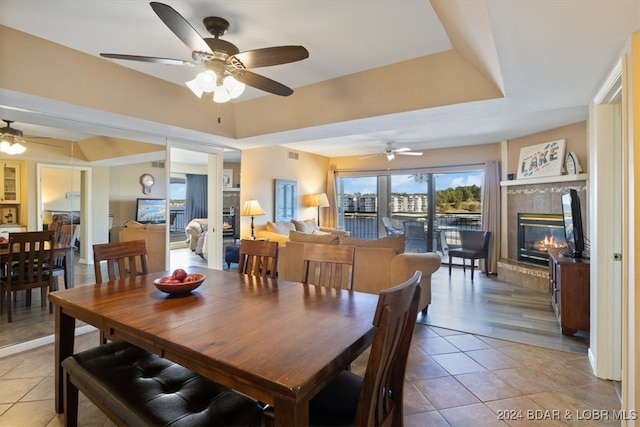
147, 180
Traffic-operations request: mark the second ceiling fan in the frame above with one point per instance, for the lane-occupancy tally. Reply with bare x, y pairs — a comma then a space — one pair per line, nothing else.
225, 65
391, 152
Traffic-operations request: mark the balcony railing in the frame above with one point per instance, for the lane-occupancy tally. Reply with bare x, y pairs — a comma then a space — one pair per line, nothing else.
364, 225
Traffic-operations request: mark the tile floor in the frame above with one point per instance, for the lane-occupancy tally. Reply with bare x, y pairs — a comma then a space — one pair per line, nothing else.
452, 379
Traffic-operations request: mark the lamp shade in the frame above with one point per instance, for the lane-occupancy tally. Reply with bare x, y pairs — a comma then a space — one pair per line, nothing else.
252, 208
319, 199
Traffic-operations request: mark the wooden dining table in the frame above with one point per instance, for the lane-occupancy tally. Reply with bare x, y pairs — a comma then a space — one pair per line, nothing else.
65, 251
277, 341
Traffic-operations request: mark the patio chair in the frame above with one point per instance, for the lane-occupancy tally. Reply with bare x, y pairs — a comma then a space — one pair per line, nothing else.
415, 236
474, 244
390, 229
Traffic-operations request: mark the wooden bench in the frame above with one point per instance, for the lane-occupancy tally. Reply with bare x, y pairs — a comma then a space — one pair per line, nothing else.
134, 387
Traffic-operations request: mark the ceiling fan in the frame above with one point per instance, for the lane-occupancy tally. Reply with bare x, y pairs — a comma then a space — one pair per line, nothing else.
391, 152
12, 140
221, 58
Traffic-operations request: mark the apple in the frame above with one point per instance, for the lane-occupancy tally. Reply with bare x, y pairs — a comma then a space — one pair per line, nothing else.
179, 274
190, 278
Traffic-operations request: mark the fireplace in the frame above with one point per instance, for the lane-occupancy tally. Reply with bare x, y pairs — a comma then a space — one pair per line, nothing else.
536, 233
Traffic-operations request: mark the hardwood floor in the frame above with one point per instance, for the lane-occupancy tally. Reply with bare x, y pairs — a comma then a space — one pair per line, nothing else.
492, 308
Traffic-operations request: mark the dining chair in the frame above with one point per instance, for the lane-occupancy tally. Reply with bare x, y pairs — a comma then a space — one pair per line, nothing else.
330, 266
258, 258
389, 228
474, 244
123, 259
28, 267
375, 399
415, 236
67, 235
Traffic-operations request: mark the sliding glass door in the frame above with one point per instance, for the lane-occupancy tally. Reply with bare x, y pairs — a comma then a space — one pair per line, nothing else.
443, 203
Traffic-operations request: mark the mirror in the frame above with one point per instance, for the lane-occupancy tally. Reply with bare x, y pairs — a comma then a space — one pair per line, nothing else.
64, 172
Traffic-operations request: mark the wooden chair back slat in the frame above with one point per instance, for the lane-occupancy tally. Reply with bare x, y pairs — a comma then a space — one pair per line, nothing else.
330, 266
258, 258
29, 266
123, 259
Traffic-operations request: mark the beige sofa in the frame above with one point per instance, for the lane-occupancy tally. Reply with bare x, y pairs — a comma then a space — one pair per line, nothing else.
379, 264
155, 237
279, 231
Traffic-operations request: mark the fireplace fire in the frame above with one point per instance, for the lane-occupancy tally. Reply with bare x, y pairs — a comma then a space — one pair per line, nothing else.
536, 234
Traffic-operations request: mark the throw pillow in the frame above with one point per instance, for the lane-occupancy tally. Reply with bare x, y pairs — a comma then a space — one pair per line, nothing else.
329, 239
280, 227
306, 226
393, 242
320, 233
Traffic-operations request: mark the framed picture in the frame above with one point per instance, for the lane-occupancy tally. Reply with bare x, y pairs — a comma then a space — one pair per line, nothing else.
9, 215
227, 178
541, 160
285, 202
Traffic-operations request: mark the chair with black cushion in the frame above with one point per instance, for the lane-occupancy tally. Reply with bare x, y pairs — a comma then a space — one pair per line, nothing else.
377, 398
330, 266
474, 245
415, 236
29, 267
137, 388
389, 228
123, 259
258, 258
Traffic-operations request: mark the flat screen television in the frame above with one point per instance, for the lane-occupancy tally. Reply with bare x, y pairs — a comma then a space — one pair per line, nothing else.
572, 219
151, 211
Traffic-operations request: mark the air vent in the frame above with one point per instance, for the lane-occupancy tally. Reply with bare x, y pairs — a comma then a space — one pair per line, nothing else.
291, 155
157, 165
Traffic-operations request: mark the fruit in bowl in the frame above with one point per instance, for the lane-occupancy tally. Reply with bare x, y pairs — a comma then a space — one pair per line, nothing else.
180, 282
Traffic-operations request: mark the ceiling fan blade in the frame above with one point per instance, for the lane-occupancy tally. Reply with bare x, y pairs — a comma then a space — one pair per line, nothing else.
269, 56
400, 150
263, 83
30, 141
168, 61
370, 156
180, 27
410, 153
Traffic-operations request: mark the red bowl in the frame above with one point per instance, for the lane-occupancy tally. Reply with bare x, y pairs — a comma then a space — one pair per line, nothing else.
179, 288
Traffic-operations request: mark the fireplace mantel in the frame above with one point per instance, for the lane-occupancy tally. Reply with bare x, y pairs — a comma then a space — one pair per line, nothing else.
545, 180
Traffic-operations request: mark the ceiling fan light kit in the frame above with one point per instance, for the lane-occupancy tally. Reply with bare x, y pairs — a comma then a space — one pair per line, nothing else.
226, 74
11, 140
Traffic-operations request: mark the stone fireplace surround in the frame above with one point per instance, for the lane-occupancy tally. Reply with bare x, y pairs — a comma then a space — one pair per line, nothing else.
541, 198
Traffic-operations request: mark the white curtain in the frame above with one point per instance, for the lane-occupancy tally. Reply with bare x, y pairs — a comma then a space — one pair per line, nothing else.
331, 213
491, 211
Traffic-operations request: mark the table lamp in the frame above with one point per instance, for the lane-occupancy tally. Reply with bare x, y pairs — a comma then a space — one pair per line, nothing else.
252, 208
319, 200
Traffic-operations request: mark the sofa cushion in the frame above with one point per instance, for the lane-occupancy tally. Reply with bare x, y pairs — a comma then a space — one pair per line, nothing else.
393, 242
134, 224
329, 239
320, 233
158, 227
283, 227
306, 226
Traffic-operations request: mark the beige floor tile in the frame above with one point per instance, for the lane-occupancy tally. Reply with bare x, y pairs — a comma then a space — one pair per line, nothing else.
27, 414
13, 390
477, 415
421, 367
529, 379
458, 363
467, 342
445, 392
527, 355
487, 386
414, 401
521, 411
42, 391
425, 419
4, 407
492, 359
437, 346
